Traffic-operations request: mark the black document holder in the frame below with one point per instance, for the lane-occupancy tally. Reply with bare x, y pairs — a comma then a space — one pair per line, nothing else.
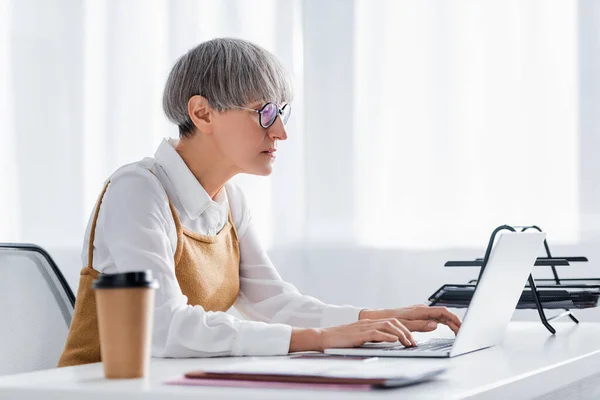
540, 294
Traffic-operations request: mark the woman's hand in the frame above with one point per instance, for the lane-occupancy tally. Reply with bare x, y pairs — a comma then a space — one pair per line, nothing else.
376, 326
352, 335
420, 318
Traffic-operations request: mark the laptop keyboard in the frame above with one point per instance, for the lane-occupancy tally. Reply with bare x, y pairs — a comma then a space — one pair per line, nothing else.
431, 345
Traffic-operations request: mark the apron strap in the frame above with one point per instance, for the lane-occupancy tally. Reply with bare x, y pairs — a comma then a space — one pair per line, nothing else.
179, 230
93, 228
178, 227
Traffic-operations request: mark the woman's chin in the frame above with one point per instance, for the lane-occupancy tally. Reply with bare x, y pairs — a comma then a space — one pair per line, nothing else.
266, 171
261, 170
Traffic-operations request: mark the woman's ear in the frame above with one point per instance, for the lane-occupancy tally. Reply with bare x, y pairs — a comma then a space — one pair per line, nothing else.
200, 113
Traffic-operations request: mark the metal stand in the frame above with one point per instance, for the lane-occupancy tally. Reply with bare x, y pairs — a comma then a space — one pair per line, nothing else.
534, 291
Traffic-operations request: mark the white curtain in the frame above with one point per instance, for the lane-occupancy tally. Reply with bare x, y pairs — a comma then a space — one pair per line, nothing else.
466, 118
81, 95
412, 119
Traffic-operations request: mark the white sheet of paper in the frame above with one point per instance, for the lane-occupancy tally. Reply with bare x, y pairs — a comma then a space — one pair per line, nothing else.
325, 368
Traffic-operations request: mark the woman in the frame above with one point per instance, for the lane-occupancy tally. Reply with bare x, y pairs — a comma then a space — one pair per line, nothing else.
178, 215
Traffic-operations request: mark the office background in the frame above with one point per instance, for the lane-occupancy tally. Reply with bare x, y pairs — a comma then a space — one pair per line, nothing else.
417, 127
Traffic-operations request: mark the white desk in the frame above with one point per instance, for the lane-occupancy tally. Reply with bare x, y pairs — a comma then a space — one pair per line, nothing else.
529, 363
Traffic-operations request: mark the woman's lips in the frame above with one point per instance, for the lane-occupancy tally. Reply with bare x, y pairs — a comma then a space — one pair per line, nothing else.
269, 152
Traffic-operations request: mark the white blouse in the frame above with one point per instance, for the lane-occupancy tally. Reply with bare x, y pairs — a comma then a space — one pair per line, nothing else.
136, 231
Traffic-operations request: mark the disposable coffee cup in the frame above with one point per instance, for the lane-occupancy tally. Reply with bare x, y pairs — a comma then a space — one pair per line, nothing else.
125, 306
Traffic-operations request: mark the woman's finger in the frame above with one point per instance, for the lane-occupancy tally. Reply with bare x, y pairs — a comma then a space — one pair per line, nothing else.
390, 327
445, 316
404, 329
421, 325
375, 335
454, 327
439, 314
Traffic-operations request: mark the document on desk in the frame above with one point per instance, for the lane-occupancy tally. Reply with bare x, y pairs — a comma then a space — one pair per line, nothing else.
369, 372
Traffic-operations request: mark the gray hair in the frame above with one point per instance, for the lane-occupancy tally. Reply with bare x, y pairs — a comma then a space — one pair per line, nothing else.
229, 73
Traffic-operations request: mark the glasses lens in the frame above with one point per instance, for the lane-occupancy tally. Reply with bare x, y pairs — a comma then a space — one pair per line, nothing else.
268, 115
286, 111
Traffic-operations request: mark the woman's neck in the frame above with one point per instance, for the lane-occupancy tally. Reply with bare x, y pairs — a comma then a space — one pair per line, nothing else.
206, 162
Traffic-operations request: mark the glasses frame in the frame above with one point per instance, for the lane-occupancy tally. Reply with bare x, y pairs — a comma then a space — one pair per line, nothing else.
279, 113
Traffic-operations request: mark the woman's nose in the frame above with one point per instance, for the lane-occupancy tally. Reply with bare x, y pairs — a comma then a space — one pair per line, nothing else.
277, 130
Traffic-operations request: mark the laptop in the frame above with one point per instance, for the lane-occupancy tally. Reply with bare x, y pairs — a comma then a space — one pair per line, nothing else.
492, 306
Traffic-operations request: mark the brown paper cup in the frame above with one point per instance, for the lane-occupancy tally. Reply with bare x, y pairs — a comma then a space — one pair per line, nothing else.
125, 316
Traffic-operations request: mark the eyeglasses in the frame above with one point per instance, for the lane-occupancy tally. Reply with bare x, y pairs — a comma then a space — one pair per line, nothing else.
269, 112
